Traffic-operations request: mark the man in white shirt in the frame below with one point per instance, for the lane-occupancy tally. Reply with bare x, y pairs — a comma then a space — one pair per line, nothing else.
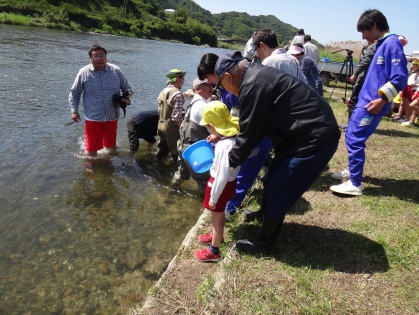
299, 38
249, 49
268, 50
310, 49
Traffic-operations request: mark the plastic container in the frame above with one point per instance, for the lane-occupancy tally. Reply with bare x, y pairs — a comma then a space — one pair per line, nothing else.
199, 156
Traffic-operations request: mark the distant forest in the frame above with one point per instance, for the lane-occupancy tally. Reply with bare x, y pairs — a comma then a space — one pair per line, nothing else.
143, 18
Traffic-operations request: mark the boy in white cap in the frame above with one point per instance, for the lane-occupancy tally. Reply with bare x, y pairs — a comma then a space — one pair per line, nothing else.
221, 186
191, 132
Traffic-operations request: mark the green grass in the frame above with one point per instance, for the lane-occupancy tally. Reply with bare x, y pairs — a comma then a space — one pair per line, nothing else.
15, 19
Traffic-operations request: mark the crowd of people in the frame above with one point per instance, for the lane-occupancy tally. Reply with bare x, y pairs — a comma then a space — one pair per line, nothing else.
260, 108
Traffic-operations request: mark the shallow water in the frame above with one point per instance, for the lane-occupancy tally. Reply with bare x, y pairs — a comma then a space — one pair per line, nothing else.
71, 241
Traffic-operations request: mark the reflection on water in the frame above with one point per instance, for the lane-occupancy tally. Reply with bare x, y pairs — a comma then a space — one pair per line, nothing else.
71, 241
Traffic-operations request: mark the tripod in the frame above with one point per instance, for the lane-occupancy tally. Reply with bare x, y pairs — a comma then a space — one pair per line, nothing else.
348, 65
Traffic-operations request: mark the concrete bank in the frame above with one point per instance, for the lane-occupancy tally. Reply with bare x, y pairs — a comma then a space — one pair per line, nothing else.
176, 289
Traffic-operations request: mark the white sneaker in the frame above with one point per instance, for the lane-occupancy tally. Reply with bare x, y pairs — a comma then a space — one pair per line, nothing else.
341, 175
347, 188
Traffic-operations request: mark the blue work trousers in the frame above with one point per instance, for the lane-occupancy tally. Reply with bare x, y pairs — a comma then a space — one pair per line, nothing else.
249, 171
360, 127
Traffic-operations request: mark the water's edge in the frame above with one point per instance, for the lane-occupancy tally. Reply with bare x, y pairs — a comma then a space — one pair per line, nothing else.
151, 304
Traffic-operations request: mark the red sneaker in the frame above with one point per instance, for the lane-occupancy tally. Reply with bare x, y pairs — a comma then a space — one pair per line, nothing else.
206, 255
206, 239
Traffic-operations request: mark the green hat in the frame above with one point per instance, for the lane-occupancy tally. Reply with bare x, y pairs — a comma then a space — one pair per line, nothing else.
174, 74
217, 113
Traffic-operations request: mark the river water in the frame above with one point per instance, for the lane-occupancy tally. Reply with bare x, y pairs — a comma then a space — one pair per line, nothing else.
71, 241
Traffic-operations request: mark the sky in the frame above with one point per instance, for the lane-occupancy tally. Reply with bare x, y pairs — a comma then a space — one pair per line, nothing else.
328, 21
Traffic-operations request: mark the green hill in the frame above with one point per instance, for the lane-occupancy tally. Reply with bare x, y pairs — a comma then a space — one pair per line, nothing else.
142, 18
237, 26
137, 18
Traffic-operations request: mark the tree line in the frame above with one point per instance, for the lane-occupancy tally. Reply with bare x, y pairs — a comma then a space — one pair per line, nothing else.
142, 18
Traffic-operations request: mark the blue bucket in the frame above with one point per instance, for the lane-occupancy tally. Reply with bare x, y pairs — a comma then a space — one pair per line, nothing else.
199, 156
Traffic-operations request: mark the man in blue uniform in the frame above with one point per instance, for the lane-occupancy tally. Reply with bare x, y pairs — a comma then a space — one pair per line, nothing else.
386, 75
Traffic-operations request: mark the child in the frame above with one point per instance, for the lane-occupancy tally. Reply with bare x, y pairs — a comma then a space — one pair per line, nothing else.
408, 96
221, 186
411, 93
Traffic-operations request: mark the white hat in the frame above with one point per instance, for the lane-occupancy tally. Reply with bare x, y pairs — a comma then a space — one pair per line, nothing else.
295, 50
402, 40
197, 82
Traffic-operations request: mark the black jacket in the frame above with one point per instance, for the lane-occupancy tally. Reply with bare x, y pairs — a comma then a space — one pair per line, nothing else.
142, 125
295, 117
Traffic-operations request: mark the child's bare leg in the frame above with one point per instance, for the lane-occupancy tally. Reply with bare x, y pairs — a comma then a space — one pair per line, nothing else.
401, 107
218, 223
407, 109
414, 107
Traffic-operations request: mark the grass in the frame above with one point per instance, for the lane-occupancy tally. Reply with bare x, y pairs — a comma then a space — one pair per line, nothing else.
334, 255
15, 19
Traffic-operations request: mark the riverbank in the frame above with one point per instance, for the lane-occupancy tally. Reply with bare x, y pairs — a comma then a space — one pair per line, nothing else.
334, 256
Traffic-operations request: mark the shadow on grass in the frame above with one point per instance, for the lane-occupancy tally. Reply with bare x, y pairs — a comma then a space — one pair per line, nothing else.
400, 188
324, 181
321, 248
300, 207
409, 133
397, 133
391, 187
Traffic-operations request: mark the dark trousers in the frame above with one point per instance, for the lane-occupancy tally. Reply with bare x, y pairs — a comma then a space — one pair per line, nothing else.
169, 135
289, 177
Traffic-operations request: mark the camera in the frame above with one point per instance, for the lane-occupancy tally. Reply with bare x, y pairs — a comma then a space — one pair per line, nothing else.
118, 99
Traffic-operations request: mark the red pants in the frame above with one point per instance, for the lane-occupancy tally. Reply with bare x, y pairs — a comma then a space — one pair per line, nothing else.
99, 134
226, 195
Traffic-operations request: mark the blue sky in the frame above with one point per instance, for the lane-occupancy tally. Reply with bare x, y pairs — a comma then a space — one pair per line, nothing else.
329, 21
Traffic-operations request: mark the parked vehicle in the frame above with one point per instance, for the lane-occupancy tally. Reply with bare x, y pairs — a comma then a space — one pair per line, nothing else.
330, 70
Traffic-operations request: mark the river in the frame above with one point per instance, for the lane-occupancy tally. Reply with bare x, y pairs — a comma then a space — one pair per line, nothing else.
71, 241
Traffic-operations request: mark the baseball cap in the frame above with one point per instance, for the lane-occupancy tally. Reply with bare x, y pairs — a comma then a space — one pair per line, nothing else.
197, 82
217, 113
415, 62
226, 61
